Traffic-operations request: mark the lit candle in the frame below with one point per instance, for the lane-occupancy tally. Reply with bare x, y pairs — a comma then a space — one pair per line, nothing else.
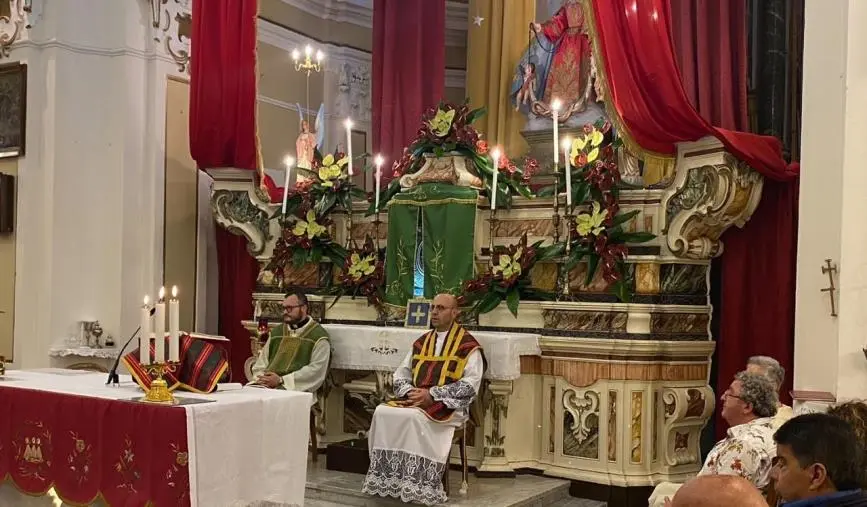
296, 55
496, 156
555, 114
308, 51
174, 327
349, 143
567, 146
319, 56
288, 161
160, 328
144, 342
379, 160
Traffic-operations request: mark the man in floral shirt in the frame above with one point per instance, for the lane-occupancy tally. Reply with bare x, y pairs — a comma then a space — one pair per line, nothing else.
748, 406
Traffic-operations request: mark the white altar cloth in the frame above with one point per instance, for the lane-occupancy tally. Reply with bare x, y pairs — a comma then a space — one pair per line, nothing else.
383, 348
249, 446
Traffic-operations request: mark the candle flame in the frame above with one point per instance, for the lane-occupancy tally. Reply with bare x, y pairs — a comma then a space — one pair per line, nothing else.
495, 154
567, 143
296, 54
288, 161
174, 291
348, 123
146, 300
308, 50
555, 105
319, 56
162, 294
378, 160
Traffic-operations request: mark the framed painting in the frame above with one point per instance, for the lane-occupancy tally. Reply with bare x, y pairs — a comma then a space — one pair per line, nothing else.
417, 313
13, 108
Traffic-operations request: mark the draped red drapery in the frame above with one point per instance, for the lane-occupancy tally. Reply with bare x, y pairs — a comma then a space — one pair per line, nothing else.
408, 70
223, 134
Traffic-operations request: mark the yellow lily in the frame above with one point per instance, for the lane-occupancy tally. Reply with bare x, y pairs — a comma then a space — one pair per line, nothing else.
361, 266
309, 227
591, 223
509, 266
442, 122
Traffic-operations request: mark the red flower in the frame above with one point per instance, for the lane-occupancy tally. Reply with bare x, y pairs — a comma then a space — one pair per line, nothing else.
481, 147
582, 160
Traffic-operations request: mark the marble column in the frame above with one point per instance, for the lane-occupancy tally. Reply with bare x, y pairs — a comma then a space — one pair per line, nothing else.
90, 191
828, 349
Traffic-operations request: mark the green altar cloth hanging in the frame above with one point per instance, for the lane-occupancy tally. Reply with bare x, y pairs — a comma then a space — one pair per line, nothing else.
444, 212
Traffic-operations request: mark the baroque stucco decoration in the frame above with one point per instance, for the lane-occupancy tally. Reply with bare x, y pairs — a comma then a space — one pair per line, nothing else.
172, 23
15, 20
353, 90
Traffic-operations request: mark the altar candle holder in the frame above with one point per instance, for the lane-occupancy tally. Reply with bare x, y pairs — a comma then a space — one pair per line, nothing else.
493, 229
349, 226
158, 392
569, 226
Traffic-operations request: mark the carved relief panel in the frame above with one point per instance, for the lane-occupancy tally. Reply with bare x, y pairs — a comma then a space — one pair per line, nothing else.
172, 28
685, 410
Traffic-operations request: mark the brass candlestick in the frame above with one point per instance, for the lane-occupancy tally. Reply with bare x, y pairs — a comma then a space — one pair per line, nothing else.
158, 392
349, 226
569, 226
491, 234
555, 219
376, 223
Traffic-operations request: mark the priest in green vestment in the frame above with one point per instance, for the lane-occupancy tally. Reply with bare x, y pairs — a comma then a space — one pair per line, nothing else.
296, 355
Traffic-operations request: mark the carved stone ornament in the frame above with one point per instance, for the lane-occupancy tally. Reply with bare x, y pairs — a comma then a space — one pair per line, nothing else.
686, 410
584, 409
13, 23
450, 168
172, 22
707, 200
234, 210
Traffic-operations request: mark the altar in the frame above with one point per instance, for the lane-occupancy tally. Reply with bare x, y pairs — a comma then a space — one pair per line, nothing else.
66, 432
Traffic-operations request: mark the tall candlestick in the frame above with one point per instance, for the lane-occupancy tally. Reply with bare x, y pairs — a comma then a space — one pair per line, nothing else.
174, 326
288, 161
349, 143
496, 156
160, 328
377, 177
144, 342
567, 147
555, 114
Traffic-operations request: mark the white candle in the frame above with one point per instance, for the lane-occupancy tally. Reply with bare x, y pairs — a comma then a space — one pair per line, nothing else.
567, 147
555, 114
349, 143
496, 156
174, 327
144, 344
288, 161
160, 328
379, 160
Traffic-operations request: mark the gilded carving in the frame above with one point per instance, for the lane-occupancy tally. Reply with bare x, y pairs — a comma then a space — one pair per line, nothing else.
612, 425
234, 210
581, 424
636, 419
584, 321
706, 202
647, 278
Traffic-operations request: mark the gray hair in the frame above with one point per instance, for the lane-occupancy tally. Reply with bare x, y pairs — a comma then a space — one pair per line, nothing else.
772, 368
758, 391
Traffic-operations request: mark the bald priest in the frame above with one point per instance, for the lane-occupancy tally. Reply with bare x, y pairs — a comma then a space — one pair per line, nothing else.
410, 437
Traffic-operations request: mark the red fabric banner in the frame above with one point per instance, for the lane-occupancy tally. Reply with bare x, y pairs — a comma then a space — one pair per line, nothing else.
635, 44
409, 54
223, 84
86, 448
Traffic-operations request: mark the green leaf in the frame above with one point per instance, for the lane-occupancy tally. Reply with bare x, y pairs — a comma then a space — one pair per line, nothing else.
550, 252
636, 237
580, 193
475, 114
326, 203
358, 193
488, 302
575, 257
622, 218
438, 151
337, 253
592, 264
622, 291
316, 255
512, 300
545, 191
299, 257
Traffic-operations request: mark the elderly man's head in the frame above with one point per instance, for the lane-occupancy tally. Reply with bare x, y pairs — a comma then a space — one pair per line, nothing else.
444, 311
728, 490
768, 366
750, 396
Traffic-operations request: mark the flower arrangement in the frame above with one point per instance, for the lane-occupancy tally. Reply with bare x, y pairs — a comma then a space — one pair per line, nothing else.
306, 240
508, 278
363, 274
329, 184
447, 128
598, 233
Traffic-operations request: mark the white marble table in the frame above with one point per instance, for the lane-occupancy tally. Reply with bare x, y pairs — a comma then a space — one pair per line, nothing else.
383, 348
250, 445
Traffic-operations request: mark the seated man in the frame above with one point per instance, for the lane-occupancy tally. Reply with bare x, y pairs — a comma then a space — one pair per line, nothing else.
296, 355
728, 491
819, 462
771, 368
410, 438
748, 406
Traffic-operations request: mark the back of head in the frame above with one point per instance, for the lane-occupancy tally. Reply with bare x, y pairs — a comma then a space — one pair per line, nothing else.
854, 413
768, 366
718, 491
822, 439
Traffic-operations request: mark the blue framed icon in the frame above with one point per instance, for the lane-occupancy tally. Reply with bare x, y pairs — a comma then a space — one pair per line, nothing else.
417, 313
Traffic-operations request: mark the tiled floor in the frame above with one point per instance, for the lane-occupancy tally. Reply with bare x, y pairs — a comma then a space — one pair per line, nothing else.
326, 488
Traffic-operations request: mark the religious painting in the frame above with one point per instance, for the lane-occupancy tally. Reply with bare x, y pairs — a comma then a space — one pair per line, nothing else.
13, 106
417, 313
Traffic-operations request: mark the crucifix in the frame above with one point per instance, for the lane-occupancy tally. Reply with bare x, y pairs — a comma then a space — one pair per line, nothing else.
829, 269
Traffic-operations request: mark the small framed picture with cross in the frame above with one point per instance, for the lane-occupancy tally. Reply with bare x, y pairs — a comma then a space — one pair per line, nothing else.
417, 313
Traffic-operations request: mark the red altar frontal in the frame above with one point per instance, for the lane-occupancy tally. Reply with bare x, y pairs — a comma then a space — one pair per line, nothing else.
86, 448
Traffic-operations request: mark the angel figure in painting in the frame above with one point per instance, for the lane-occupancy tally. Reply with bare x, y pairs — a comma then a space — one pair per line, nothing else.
527, 93
308, 141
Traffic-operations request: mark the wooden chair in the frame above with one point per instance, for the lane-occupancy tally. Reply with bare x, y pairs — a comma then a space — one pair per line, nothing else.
321, 395
476, 420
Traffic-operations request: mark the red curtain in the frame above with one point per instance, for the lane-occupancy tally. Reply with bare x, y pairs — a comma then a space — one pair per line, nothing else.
634, 38
223, 134
408, 70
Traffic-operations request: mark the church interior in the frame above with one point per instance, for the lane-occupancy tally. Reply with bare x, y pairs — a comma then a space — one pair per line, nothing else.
441, 252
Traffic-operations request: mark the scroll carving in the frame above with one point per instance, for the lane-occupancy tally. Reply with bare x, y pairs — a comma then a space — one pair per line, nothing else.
172, 22
234, 210
581, 423
686, 410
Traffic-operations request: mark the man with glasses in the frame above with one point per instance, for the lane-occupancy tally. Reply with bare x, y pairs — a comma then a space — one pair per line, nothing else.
296, 355
410, 437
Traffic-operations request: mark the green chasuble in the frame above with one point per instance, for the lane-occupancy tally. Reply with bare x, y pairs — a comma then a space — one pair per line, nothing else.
290, 350
447, 215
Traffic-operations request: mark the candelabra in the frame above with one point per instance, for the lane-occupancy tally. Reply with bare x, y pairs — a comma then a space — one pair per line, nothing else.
308, 64
569, 226
158, 392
